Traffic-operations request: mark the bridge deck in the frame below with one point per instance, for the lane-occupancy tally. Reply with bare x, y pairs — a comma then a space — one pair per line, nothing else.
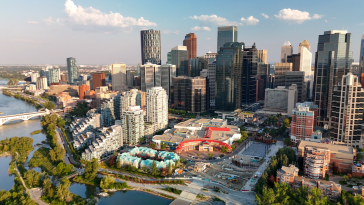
31, 113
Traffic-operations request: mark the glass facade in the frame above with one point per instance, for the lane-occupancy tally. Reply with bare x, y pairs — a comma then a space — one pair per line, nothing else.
72, 70
333, 60
226, 34
151, 46
179, 57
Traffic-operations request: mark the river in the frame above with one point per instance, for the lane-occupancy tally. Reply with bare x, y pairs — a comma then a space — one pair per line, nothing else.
10, 106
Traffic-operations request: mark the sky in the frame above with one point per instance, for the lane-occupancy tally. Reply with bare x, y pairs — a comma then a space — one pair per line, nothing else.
108, 31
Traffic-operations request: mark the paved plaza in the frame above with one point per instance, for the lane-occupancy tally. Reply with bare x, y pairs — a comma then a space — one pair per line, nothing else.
255, 150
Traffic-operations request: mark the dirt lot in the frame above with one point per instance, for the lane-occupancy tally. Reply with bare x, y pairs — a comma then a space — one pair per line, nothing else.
203, 155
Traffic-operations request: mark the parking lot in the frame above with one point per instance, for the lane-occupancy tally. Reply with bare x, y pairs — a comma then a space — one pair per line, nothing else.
255, 150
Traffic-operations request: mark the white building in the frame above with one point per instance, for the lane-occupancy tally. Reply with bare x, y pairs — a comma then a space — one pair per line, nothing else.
133, 125
118, 75
157, 108
305, 65
281, 99
34, 77
42, 83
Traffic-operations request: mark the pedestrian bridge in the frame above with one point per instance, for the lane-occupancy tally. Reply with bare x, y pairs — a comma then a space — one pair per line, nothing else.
24, 116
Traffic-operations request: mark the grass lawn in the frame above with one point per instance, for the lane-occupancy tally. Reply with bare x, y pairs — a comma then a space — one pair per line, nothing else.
42, 159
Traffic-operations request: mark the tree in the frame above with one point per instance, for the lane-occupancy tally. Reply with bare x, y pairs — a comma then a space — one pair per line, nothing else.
154, 170
267, 197
198, 154
169, 168
48, 190
286, 123
153, 145
32, 178
233, 147
287, 141
91, 169
345, 177
163, 146
57, 154
359, 156
49, 105
112, 160
107, 182
60, 122
63, 193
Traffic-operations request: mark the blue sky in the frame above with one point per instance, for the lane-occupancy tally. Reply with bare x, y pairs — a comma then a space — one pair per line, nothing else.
105, 31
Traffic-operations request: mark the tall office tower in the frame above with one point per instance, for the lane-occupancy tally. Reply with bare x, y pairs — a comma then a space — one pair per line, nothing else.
298, 78
118, 74
42, 83
168, 72
107, 113
286, 51
180, 59
190, 42
302, 122
333, 59
130, 78
305, 65
347, 113
98, 80
82, 89
249, 75
211, 57
262, 56
169, 58
304, 44
151, 46
295, 60
280, 70
197, 65
72, 70
229, 63
264, 80
34, 77
132, 121
211, 75
138, 69
150, 76
361, 59
189, 94
157, 108
226, 34
54, 75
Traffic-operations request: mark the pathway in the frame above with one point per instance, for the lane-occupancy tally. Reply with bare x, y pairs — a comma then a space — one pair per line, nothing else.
34, 193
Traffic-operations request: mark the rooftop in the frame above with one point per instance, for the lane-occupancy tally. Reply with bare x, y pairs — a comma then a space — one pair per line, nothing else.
331, 147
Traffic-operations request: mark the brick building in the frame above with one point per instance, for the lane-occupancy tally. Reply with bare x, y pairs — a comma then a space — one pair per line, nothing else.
98, 79
287, 174
83, 89
302, 122
342, 155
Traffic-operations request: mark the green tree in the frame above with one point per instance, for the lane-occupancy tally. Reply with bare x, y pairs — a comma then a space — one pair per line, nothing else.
198, 154
107, 182
48, 190
57, 154
287, 141
154, 170
63, 193
32, 178
169, 168
163, 146
60, 122
153, 145
345, 177
359, 156
267, 197
91, 169
49, 105
286, 123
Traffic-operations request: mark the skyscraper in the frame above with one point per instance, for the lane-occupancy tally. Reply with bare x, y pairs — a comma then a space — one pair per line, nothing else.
82, 89
157, 108
42, 83
286, 50
197, 65
226, 34
179, 57
304, 44
151, 46
72, 70
33, 77
54, 75
361, 58
249, 75
262, 56
347, 113
190, 42
118, 74
98, 80
229, 63
333, 59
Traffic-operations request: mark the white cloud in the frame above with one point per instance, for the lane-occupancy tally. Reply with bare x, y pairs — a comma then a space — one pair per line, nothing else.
91, 17
326, 21
49, 21
198, 28
296, 16
265, 15
250, 20
360, 24
171, 32
214, 19
208, 38
33, 22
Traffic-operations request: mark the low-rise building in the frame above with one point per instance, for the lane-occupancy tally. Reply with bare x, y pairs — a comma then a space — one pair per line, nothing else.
316, 162
82, 126
287, 174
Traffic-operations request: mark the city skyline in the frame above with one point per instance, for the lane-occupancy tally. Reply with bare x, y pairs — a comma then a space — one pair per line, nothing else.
97, 32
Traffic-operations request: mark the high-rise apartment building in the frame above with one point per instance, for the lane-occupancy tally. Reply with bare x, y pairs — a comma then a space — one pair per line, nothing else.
189, 94
157, 108
211, 75
226, 34
286, 50
133, 125
302, 122
211, 57
118, 77
82, 89
130, 78
262, 56
179, 58
229, 63
190, 42
54, 75
333, 59
151, 46
107, 113
128, 99
42, 83
316, 162
347, 112
33, 77
98, 80
72, 70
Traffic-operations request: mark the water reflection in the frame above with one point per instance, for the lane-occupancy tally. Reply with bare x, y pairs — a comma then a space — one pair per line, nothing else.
6, 179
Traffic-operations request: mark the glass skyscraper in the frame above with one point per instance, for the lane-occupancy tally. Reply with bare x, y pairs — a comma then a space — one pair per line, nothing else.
333, 60
72, 70
179, 57
229, 63
361, 58
226, 34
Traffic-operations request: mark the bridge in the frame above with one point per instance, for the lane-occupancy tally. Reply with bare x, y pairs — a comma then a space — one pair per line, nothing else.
24, 116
